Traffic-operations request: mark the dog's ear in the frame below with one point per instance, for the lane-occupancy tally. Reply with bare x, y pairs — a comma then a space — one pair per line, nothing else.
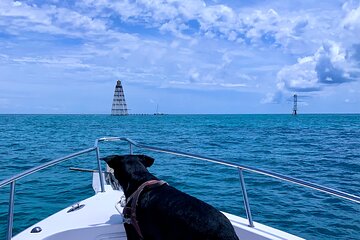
146, 160
112, 160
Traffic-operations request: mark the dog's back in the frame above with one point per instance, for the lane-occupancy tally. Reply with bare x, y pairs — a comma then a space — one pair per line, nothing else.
167, 213
163, 212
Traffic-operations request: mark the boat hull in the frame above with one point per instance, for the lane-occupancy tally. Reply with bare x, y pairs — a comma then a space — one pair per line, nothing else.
98, 219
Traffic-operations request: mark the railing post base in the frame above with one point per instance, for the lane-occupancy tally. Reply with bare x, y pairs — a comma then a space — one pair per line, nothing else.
131, 148
245, 198
11, 211
101, 177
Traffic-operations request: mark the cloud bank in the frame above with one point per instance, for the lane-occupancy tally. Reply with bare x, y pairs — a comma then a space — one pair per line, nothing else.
269, 50
330, 65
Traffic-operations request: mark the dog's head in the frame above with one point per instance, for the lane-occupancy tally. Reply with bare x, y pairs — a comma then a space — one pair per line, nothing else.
128, 167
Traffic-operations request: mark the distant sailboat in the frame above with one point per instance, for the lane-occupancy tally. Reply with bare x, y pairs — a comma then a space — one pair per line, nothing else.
157, 110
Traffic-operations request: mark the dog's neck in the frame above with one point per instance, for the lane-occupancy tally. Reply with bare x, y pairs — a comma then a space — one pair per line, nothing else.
131, 186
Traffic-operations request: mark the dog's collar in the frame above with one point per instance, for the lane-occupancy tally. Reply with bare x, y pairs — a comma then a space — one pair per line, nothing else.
129, 213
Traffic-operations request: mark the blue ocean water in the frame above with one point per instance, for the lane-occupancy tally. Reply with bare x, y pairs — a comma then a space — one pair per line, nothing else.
324, 149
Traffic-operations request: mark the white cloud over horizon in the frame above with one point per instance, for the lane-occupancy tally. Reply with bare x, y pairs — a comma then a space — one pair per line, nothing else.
264, 50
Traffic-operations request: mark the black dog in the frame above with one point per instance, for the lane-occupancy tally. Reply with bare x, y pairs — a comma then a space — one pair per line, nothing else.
163, 212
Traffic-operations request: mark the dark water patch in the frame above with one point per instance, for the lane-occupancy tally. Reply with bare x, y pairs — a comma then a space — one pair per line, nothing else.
266, 152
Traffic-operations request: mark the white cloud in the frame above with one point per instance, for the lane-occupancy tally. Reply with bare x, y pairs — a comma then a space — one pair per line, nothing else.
233, 85
16, 4
10, 9
275, 98
73, 19
351, 20
66, 62
328, 66
216, 20
19, 17
194, 75
263, 26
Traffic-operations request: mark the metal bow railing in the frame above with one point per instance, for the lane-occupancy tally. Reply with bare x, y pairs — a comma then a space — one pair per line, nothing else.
241, 169
12, 181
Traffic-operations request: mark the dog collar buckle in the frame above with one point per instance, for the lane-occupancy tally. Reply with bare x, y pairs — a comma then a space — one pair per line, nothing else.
126, 220
126, 214
122, 201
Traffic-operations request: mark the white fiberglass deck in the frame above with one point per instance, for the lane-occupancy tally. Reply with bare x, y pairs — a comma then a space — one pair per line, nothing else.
99, 220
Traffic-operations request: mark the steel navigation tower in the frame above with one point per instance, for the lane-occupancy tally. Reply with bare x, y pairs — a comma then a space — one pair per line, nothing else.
119, 105
295, 105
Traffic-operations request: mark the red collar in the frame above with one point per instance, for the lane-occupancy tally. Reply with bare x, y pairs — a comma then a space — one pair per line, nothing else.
129, 213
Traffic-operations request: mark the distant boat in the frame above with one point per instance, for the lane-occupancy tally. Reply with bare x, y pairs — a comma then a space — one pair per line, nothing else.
157, 110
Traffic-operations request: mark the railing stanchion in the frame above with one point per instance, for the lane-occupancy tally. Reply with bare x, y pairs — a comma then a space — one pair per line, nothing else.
245, 198
11, 211
100, 170
131, 148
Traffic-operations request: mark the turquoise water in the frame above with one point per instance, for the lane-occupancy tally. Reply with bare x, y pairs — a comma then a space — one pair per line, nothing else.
324, 149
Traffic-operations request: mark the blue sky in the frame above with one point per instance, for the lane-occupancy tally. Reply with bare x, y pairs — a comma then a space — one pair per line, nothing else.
187, 56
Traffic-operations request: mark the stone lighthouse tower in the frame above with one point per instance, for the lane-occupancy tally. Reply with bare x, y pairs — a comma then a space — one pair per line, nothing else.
119, 105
